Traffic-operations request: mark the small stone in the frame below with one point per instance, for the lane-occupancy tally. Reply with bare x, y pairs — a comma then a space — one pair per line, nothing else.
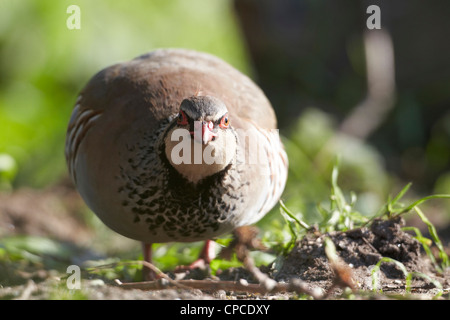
97, 282
243, 282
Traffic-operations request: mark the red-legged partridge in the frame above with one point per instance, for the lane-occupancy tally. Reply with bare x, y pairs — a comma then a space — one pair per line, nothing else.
175, 145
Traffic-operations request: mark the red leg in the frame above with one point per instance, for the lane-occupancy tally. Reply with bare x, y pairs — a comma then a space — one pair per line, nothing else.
205, 257
148, 274
208, 252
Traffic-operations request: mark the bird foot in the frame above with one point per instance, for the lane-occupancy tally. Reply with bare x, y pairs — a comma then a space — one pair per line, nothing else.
149, 275
206, 255
198, 264
198, 270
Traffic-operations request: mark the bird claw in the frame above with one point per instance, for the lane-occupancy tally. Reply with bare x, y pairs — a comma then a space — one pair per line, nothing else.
199, 269
198, 264
206, 255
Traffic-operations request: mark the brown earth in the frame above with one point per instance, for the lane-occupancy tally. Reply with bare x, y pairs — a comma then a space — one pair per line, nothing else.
359, 250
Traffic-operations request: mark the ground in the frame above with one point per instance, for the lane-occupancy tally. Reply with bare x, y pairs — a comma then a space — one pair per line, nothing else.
347, 271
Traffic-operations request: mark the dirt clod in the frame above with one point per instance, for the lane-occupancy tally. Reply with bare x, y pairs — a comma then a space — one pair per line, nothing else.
360, 249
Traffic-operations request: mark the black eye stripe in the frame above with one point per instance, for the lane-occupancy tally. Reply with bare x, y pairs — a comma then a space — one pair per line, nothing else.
182, 118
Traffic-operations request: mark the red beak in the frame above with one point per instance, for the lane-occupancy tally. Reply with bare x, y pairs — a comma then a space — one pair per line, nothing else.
203, 131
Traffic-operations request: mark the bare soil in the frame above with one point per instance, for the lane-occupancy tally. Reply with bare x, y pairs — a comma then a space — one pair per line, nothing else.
57, 213
359, 250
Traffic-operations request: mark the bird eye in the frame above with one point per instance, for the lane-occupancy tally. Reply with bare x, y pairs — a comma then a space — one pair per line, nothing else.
182, 119
224, 122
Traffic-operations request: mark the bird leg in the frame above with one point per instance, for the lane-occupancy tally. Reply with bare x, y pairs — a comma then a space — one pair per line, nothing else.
204, 259
147, 273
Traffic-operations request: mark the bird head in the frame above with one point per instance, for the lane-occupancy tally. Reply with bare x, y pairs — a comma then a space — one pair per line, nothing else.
204, 117
202, 142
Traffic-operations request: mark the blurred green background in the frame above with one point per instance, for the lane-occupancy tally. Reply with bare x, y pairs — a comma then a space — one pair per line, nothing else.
308, 56
43, 64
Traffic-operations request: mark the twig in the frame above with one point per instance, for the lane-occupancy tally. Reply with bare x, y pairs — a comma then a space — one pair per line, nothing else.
27, 292
343, 277
162, 283
295, 285
266, 285
245, 239
370, 113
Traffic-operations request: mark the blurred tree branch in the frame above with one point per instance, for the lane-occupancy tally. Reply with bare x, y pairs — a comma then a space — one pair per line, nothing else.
380, 65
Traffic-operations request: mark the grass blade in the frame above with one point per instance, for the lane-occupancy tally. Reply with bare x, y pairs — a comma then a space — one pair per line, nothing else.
376, 269
420, 201
426, 243
293, 217
434, 235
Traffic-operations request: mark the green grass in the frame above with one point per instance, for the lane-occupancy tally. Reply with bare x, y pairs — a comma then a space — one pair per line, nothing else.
408, 277
394, 208
341, 216
37, 94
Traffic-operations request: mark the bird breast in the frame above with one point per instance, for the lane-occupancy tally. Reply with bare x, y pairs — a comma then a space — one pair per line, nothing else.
196, 161
172, 207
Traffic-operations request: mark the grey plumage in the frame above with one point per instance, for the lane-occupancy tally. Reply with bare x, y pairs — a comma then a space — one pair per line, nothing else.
203, 108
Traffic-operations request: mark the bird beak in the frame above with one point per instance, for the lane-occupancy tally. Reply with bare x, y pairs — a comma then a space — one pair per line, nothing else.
203, 131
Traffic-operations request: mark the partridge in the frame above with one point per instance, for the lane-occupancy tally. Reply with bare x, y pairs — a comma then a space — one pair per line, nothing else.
175, 145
